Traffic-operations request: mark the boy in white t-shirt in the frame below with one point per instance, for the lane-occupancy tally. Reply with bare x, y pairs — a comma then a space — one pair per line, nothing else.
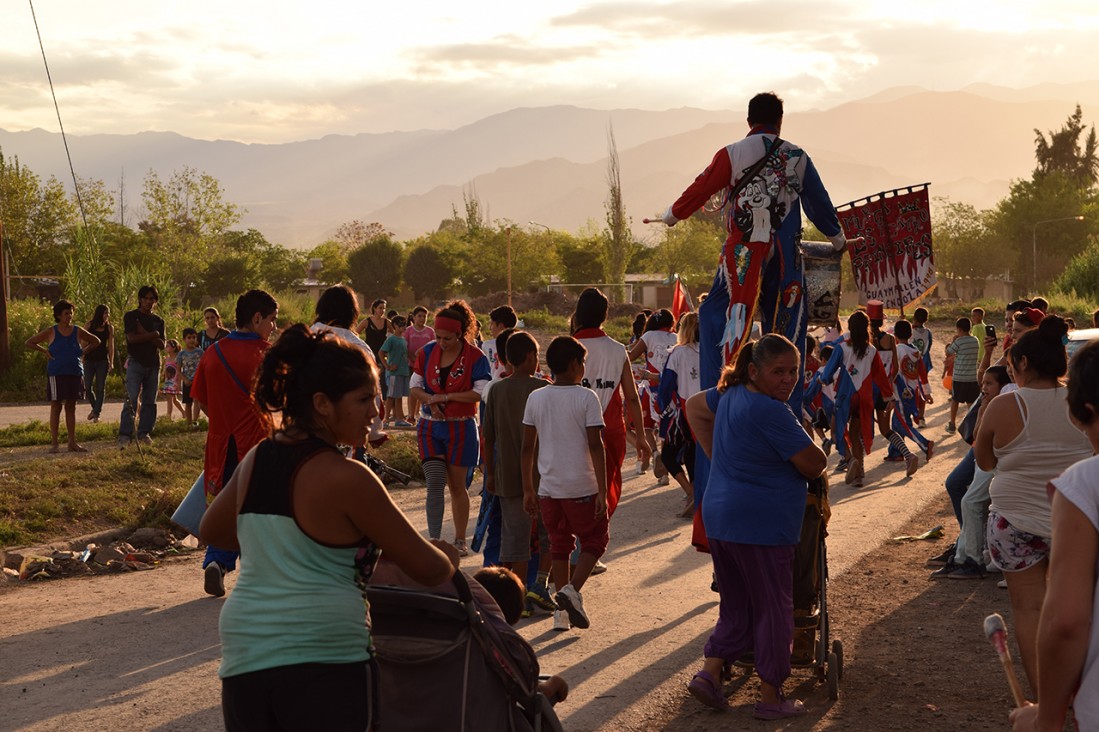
563, 424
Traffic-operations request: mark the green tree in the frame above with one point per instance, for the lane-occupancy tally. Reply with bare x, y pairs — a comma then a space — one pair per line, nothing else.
186, 217
333, 255
428, 271
353, 234
38, 219
1081, 276
690, 249
965, 245
1063, 152
375, 267
581, 259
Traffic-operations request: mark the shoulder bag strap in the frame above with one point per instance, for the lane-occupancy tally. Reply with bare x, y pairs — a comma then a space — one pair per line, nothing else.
233, 374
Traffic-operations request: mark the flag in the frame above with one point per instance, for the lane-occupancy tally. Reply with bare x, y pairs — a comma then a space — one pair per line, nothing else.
894, 262
681, 300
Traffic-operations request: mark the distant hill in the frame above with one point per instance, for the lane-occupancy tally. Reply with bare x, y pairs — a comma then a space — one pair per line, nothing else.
548, 164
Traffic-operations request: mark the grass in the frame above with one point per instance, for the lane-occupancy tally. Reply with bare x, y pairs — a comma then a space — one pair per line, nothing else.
36, 432
45, 499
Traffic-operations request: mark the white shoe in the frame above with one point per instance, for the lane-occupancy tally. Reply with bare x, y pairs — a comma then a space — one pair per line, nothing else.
663, 480
1002, 584
640, 469
569, 600
599, 568
561, 620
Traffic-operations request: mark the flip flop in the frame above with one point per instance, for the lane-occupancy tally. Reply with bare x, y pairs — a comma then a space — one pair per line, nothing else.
704, 688
786, 708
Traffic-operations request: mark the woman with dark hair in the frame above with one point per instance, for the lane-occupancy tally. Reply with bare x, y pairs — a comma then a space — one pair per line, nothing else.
310, 525
214, 330
65, 345
655, 343
607, 372
448, 379
374, 329
99, 360
679, 381
856, 365
1068, 642
1028, 438
338, 310
761, 462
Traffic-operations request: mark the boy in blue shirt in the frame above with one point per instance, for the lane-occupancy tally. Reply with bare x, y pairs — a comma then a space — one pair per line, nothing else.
393, 358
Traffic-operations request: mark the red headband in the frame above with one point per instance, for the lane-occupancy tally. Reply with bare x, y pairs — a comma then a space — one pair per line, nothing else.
445, 322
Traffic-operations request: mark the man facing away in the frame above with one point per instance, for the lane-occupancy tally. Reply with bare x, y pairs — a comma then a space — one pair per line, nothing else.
761, 260
144, 341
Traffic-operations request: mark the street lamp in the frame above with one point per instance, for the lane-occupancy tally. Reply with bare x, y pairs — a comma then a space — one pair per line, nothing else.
536, 223
1034, 241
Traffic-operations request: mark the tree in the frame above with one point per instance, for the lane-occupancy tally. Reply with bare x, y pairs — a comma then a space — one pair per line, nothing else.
1081, 276
334, 259
354, 234
964, 242
38, 219
428, 271
1062, 152
581, 263
618, 241
375, 267
186, 217
690, 249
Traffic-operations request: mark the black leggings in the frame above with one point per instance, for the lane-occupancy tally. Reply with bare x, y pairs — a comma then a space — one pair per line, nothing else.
679, 453
336, 697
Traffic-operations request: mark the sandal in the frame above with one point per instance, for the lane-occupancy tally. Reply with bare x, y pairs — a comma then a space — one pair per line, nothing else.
688, 508
784, 709
462, 547
704, 688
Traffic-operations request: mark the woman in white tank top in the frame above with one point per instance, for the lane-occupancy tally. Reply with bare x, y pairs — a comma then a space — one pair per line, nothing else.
1028, 439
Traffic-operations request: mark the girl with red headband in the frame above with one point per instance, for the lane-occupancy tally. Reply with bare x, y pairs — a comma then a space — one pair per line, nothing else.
448, 378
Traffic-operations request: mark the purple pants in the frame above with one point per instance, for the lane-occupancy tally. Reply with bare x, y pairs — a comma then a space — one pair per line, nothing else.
756, 584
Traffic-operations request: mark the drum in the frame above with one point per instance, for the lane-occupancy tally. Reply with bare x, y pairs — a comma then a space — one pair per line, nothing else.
822, 268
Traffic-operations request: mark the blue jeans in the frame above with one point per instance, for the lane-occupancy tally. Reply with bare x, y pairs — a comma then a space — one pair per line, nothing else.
143, 380
95, 376
957, 483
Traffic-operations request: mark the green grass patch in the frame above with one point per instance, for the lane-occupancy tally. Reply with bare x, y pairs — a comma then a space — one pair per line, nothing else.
46, 499
36, 432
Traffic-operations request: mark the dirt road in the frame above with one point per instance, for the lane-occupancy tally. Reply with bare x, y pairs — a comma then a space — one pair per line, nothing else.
140, 651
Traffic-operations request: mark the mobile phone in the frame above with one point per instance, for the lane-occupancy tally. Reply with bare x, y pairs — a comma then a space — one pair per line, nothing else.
991, 330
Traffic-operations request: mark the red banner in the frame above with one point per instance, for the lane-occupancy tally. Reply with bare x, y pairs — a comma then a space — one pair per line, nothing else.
894, 262
681, 300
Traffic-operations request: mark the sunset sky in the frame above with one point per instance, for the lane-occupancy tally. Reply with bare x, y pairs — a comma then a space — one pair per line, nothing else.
281, 71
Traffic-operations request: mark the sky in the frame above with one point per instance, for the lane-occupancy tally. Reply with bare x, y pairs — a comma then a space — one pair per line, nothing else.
275, 72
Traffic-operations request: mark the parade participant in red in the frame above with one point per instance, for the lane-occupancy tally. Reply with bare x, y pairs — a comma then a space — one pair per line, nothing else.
449, 376
856, 366
222, 387
607, 372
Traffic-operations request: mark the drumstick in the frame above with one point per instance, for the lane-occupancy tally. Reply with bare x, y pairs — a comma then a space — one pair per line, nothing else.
996, 631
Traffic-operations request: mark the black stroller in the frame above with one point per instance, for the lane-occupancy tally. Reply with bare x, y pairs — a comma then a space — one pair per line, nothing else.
813, 646
446, 664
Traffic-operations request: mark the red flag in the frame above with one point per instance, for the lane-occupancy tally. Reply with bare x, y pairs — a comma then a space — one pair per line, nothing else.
681, 300
894, 261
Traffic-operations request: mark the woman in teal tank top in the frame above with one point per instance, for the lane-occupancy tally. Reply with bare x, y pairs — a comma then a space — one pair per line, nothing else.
310, 525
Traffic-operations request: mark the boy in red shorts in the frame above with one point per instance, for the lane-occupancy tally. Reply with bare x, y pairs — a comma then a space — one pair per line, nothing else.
563, 423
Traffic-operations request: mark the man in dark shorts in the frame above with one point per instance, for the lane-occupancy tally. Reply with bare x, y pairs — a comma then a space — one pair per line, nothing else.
965, 388
144, 341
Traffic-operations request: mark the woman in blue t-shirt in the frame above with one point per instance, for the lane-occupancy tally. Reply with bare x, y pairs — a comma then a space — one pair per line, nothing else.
762, 460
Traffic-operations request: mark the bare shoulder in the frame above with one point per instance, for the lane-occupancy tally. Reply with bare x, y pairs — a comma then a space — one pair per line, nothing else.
333, 475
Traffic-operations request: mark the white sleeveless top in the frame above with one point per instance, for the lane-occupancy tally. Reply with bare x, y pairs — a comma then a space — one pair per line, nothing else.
1048, 444
603, 367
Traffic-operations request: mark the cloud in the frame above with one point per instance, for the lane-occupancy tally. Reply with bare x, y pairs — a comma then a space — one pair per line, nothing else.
503, 51
697, 18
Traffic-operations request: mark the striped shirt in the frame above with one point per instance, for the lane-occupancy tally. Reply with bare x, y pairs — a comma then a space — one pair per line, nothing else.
965, 349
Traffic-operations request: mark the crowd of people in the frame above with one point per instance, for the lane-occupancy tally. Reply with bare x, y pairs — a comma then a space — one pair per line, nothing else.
743, 424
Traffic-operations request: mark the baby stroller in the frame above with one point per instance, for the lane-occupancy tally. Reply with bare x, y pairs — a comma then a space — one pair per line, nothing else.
446, 664
813, 646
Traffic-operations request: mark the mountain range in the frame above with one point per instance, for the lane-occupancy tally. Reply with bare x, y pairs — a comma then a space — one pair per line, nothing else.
549, 164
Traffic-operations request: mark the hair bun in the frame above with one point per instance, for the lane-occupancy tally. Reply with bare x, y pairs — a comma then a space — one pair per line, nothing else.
1053, 328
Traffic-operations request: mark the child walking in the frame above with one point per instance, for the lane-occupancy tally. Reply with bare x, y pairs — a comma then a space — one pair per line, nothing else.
393, 357
169, 377
564, 421
188, 364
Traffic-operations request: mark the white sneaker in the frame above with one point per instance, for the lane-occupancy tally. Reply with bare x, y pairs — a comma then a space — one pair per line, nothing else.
640, 470
663, 480
560, 620
569, 600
